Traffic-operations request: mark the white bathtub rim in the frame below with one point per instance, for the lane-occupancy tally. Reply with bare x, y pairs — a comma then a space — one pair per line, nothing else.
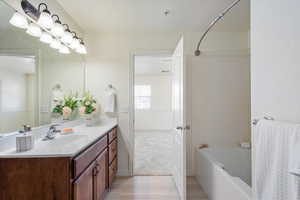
237, 182
243, 187
211, 159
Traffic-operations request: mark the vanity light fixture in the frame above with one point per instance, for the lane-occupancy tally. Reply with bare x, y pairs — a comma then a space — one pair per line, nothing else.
55, 44
19, 21
40, 23
64, 50
34, 30
46, 38
57, 30
45, 19
68, 36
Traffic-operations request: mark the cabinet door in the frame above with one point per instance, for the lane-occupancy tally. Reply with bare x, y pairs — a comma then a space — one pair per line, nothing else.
83, 186
113, 168
100, 181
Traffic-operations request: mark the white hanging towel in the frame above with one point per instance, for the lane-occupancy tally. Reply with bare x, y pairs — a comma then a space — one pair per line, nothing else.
275, 155
110, 100
295, 168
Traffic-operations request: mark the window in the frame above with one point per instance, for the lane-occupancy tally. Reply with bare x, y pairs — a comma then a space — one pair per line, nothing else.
142, 98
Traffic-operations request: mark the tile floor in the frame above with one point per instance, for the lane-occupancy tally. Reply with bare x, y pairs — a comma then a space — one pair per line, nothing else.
153, 150
152, 188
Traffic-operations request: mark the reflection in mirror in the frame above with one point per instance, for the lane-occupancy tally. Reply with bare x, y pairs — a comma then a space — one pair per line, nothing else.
29, 72
17, 92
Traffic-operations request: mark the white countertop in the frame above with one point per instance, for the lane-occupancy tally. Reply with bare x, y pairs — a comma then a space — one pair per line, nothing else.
64, 145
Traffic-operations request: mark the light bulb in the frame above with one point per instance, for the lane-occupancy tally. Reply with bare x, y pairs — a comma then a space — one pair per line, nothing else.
67, 37
45, 20
34, 30
55, 44
19, 21
75, 43
64, 50
46, 38
81, 49
58, 29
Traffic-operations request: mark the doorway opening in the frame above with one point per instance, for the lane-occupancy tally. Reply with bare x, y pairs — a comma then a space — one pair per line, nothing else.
153, 115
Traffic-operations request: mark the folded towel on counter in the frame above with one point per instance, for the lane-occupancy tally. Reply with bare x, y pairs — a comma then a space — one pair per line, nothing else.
275, 155
110, 101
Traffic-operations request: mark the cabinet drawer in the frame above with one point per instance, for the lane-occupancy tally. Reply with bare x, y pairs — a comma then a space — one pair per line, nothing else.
113, 168
83, 160
112, 135
113, 150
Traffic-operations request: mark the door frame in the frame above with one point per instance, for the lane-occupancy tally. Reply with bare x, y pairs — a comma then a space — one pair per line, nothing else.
131, 126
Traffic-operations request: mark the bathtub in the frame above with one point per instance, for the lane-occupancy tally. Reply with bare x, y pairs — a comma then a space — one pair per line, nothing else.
224, 173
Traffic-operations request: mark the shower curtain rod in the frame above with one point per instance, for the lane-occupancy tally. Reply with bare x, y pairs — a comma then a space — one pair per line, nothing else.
198, 52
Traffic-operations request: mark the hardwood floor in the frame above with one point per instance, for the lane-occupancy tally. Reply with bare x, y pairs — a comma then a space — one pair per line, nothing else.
152, 188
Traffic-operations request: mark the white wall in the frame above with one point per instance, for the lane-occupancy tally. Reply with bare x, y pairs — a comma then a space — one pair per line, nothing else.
275, 60
220, 100
108, 62
159, 116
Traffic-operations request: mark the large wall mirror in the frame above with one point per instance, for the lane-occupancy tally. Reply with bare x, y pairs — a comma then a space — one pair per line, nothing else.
31, 73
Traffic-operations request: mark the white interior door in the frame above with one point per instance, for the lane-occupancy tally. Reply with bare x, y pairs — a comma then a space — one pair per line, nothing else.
179, 119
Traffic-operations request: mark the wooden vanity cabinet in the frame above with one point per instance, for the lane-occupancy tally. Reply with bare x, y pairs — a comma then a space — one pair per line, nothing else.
112, 156
91, 184
87, 176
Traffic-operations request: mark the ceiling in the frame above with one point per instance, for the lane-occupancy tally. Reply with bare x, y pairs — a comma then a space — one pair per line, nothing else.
17, 64
148, 15
152, 65
5, 14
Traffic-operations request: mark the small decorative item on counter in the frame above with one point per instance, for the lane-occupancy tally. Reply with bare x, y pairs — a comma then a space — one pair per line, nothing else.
25, 141
88, 108
67, 131
66, 106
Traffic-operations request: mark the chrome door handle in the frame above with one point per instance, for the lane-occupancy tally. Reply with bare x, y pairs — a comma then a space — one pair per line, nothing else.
188, 127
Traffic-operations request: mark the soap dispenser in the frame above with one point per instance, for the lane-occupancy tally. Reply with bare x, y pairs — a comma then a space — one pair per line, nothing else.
25, 141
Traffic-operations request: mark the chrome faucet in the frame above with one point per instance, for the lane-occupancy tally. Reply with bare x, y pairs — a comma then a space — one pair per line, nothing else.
52, 132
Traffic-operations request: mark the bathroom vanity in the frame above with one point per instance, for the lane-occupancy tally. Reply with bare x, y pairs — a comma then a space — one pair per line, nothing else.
80, 166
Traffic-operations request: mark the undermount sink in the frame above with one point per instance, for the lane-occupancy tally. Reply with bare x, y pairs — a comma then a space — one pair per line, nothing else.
64, 139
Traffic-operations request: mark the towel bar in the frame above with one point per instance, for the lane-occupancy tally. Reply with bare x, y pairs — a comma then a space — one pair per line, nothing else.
255, 121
